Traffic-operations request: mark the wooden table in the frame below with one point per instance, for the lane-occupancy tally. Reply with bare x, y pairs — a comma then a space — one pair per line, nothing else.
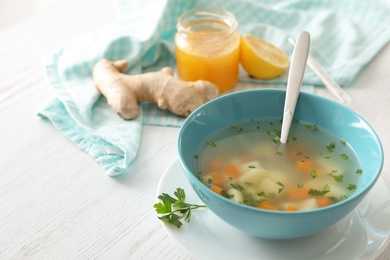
56, 202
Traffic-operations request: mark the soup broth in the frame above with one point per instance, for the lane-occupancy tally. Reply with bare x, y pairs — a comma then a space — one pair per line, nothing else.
247, 164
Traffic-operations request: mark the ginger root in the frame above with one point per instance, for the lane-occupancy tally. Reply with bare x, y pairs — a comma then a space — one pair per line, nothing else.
123, 92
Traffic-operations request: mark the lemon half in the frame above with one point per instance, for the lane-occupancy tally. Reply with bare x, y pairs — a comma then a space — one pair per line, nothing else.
262, 59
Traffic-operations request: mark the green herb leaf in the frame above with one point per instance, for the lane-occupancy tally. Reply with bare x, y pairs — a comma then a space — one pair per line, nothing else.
251, 166
180, 194
196, 156
281, 185
359, 171
351, 187
171, 210
212, 144
299, 185
238, 128
326, 187
164, 207
338, 178
237, 186
343, 142
313, 174
171, 219
311, 127
331, 147
166, 197
334, 199
344, 156
315, 192
227, 195
280, 153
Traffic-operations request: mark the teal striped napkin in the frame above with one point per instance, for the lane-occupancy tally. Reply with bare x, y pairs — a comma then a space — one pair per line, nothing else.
346, 35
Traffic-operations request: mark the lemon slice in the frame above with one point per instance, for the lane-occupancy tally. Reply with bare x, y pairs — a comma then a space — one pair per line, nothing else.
262, 59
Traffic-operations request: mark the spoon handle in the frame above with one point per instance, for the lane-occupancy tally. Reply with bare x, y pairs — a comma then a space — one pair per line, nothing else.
294, 82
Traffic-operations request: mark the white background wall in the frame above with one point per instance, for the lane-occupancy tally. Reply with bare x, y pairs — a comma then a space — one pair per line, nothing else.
14, 11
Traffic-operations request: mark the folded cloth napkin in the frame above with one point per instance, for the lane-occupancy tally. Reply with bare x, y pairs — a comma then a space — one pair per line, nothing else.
345, 36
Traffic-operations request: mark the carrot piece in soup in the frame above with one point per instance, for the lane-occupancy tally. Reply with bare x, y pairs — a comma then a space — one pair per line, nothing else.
323, 201
296, 193
217, 177
215, 164
246, 158
232, 170
305, 166
291, 208
298, 150
216, 189
268, 206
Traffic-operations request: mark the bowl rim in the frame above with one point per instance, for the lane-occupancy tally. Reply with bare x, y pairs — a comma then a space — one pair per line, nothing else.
357, 195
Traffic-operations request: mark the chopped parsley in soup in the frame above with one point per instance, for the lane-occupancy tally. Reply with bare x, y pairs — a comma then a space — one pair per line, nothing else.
247, 164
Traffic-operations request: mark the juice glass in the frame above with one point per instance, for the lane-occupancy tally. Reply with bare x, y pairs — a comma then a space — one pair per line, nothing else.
207, 47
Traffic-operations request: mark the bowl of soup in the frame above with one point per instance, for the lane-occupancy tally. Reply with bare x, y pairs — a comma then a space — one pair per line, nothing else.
231, 154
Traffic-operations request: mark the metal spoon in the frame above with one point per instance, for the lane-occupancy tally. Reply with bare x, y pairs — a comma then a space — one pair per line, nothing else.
329, 83
294, 81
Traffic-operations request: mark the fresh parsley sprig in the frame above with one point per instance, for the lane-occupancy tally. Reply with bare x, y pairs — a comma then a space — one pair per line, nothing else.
171, 210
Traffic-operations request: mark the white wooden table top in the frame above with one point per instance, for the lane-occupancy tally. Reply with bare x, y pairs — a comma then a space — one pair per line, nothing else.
55, 201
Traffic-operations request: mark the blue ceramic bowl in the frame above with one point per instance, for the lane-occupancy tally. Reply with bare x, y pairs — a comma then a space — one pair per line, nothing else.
268, 103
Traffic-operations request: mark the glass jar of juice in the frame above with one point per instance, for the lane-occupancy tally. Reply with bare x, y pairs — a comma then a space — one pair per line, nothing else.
207, 47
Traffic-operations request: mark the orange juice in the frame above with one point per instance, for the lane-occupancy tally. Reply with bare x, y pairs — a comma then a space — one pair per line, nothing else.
207, 48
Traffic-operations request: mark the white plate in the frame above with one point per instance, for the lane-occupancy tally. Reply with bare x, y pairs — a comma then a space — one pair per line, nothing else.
363, 234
